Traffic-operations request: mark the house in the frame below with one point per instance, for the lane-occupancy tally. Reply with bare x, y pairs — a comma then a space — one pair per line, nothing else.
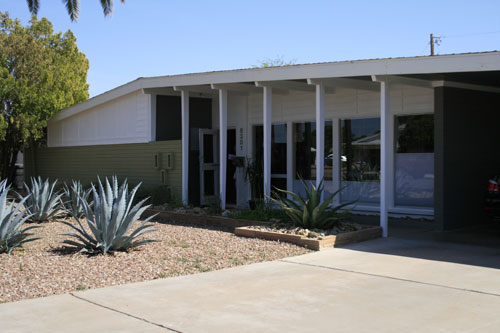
413, 136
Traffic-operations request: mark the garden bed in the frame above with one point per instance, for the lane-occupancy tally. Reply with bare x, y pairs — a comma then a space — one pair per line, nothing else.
316, 243
47, 267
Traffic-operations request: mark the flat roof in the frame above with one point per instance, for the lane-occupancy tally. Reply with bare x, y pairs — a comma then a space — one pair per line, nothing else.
438, 64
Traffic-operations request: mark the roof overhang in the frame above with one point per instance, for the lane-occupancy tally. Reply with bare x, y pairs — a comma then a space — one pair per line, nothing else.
455, 63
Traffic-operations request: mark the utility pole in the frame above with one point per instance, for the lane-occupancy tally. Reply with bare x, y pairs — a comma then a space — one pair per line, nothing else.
434, 40
432, 44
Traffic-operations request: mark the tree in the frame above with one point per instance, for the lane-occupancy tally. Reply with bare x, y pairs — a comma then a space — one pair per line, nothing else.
276, 62
73, 7
41, 72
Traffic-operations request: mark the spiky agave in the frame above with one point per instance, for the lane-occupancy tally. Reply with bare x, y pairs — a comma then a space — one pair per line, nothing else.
43, 203
310, 212
110, 219
73, 197
12, 217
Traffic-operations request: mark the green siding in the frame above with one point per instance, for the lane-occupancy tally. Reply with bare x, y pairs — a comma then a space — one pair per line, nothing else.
131, 161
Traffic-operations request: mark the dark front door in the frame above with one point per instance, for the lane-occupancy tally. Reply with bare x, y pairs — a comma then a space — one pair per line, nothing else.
231, 169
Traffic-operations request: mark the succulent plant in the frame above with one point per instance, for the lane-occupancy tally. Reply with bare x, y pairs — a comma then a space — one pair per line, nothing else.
42, 202
12, 217
310, 212
73, 196
110, 219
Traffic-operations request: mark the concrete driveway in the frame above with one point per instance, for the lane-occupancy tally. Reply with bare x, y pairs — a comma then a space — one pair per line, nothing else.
385, 285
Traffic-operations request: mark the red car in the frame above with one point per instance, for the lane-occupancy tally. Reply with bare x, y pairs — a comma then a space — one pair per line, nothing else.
492, 198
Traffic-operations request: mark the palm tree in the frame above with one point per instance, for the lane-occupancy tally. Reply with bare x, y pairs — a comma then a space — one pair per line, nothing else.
73, 7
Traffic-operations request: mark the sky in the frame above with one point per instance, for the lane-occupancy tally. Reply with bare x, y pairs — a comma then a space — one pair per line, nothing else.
164, 37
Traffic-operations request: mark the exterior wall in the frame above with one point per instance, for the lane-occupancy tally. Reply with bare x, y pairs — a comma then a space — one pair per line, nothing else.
124, 120
131, 161
466, 154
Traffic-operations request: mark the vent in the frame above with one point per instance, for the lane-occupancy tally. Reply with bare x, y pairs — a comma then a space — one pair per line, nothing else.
157, 161
169, 161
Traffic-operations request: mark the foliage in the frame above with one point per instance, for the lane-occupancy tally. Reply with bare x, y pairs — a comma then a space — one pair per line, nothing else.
310, 212
42, 202
254, 175
12, 217
263, 212
160, 195
41, 72
73, 196
73, 7
109, 219
276, 62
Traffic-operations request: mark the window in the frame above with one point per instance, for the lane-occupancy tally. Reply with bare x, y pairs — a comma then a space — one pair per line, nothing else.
414, 160
305, 150
360, 160
278, 153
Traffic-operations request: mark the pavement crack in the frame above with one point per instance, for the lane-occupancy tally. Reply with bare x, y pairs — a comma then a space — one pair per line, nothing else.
392, 278
124, 313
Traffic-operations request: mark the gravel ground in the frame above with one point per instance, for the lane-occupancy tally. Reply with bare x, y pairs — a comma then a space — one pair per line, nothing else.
46, 267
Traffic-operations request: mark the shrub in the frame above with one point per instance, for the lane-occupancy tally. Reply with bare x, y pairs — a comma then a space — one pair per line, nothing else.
310, 212
160, 195
12, 217
73, 196
42, 202
263, 212
110, 219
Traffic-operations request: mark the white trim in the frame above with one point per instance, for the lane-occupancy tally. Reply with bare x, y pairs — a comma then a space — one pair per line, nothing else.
467, 86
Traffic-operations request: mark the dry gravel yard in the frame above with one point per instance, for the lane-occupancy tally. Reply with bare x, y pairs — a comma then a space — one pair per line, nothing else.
45, 267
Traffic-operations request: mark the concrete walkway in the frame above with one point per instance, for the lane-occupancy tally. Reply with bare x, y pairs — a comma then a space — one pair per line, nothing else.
385, 285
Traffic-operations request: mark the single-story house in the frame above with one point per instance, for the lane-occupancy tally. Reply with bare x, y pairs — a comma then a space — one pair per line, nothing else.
414, 136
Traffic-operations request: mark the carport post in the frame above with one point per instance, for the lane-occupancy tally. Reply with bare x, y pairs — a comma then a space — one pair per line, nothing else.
185, 144
223, 146
267, 122
385, 158
320, 134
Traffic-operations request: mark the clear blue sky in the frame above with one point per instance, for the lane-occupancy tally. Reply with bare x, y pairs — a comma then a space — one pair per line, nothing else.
163, 37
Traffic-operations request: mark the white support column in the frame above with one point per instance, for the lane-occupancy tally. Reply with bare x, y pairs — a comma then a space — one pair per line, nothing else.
385, 157
268, 102
185, 144
290, 169
223, 146
336, 158
320, 133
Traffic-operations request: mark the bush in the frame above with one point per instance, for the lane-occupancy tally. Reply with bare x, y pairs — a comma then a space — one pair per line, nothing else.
12, 217
42, 202
160, 195
310, 212
263, 212
109, 220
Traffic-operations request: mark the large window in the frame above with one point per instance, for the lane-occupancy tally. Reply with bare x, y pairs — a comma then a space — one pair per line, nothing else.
278, 153
305, 150
414, 160
360, 160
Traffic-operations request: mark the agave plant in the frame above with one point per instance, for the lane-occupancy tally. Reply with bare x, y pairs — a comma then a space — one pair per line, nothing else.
42, 202
310, 212
12, 217
109, 220
73, 197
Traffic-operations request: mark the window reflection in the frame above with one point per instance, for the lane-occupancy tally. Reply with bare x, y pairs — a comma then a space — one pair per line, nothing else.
360, 159
305, 150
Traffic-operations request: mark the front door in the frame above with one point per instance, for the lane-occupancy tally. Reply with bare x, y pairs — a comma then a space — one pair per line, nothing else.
209, 166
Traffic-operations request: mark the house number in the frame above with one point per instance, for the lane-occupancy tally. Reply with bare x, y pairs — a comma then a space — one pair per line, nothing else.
241, 139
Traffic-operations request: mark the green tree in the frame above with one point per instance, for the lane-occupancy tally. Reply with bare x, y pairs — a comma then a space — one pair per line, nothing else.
41, 72
276, 62
73, 7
